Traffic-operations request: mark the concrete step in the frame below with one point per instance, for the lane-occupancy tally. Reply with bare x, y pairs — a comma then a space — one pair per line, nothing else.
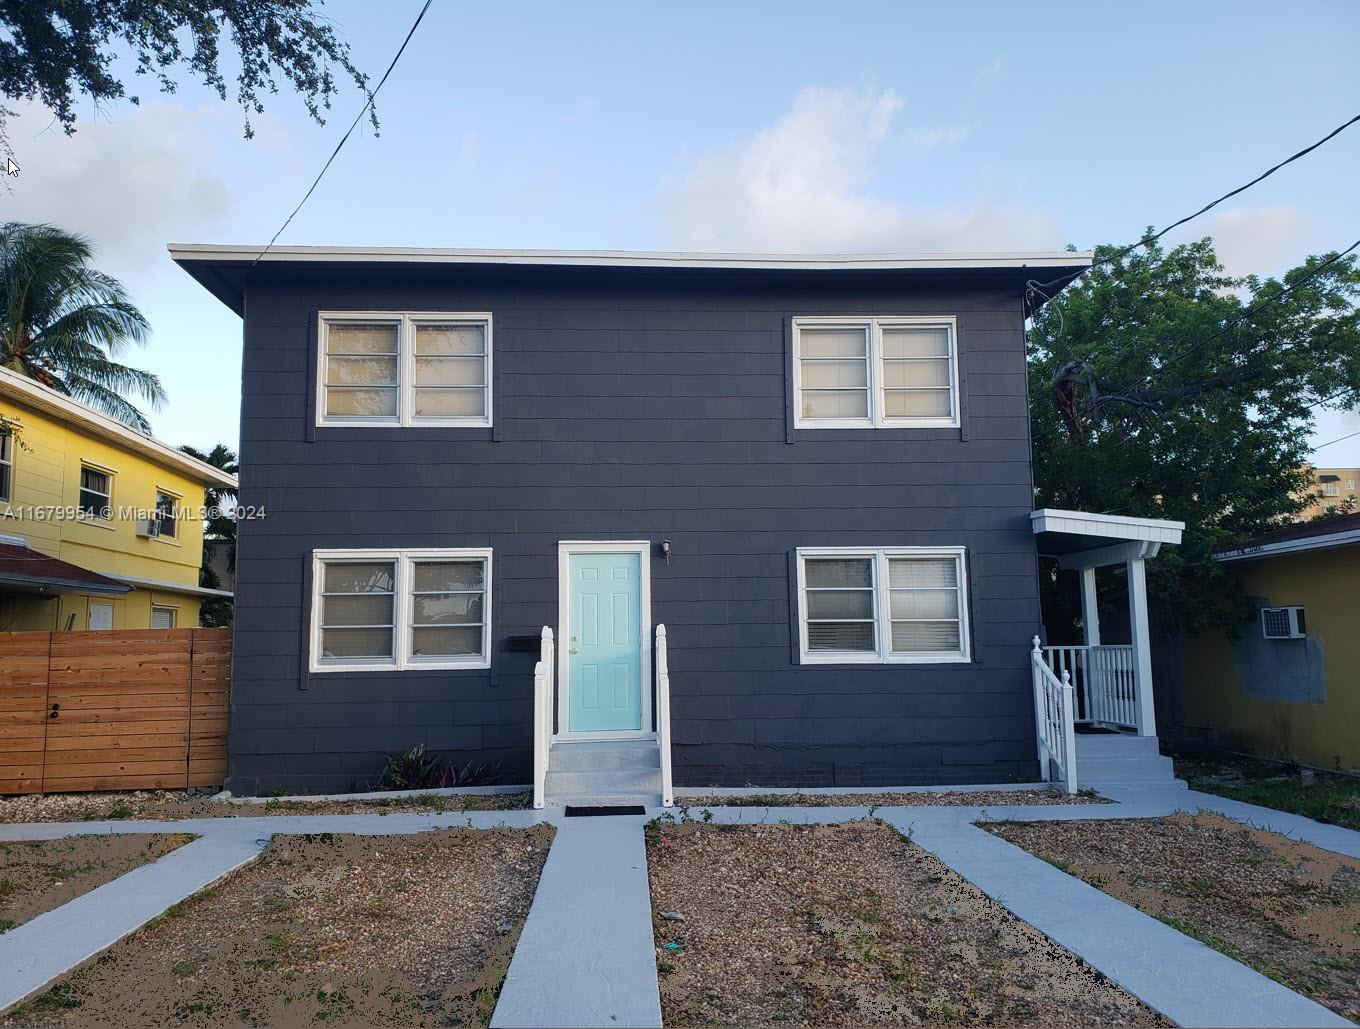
1125, 768
1115, 745
605, 799
605, 754
601, 783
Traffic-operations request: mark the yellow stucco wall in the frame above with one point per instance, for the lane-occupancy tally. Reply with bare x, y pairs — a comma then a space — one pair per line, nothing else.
44, 493
1247, 699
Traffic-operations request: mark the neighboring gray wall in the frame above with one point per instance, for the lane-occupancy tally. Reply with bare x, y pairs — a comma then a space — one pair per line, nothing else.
638, 405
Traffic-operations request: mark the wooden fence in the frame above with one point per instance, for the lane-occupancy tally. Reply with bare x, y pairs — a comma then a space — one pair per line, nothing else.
131, 709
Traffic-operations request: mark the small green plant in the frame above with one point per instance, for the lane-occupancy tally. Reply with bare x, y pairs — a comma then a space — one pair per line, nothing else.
6, 924
7, 887
120, 810
183, 968
415, 769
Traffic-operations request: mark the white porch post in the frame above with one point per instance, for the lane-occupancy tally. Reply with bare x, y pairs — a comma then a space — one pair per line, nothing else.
1142, 646
1090, 609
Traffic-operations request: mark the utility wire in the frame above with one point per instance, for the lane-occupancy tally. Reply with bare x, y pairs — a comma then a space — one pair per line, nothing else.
1339, 439
343, 139
1117, 255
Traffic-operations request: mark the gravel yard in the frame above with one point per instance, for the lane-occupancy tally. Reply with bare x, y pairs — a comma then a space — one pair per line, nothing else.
167, 805
931, 798
355, 930
1287, 909
39, 875
850, 925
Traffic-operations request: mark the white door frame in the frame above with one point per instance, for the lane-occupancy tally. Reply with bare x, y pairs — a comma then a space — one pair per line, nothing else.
565, 550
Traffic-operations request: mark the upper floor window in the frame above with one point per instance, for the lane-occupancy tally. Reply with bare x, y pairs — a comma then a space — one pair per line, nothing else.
875, 372
96, 493
6, 466
395, 609
405, 369
167, 513
882, 605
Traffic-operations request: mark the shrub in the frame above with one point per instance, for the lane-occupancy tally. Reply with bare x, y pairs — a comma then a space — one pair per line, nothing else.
414, 769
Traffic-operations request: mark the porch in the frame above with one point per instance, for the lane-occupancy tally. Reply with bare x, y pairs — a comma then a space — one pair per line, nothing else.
1094, 710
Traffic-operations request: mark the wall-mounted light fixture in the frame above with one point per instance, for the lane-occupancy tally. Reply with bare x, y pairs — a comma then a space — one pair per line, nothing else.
666, 550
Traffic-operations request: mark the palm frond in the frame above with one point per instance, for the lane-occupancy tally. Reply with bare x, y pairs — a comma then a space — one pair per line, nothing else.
101, 398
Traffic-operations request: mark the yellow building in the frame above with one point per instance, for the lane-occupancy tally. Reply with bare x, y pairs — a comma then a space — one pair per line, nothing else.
1332, 487
100, 526
1290, 687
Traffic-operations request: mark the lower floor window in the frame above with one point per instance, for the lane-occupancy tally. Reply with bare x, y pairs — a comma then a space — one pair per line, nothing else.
163, 617
888, 604
393, 609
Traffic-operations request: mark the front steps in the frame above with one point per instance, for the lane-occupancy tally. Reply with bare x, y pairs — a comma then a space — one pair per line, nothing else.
1123, 761
609, 773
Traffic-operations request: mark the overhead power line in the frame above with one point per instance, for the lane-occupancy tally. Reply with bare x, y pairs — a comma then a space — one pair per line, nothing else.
343, 139
1117, 255
1339, 439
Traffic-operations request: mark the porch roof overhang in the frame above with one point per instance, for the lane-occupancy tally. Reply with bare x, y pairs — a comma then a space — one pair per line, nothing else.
1081, 539
25, 570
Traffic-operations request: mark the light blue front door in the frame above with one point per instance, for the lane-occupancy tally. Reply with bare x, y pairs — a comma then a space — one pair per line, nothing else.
604, 643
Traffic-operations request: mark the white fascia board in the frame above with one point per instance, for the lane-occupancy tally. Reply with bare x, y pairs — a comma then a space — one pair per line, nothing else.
50, 402
1111, 527
1336, 539
190, 252
168, 587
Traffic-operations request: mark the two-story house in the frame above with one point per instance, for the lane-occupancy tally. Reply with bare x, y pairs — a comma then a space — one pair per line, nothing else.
100, 525
479, 465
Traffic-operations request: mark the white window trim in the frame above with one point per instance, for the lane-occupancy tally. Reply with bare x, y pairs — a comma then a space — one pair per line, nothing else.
875, 325
173, 609
882, 610
108, 473
7, 496
406, 323
177, 500
403, 611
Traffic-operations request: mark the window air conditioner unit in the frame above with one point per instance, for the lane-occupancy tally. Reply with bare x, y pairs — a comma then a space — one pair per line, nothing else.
148, 528
1283, 623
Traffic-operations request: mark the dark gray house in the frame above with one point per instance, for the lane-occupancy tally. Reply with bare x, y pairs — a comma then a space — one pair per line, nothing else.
469, 466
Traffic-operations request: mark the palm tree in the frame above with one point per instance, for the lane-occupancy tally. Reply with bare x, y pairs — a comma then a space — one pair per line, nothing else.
218, 531
62, 322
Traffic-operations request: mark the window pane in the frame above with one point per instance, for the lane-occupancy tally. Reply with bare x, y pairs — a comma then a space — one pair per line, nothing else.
910, 637
835, 374
95, 481
4, 481
840, 604
922, 572
448, 576
361, 371
359, 609
373, 403
361, 338
451, 403
162, 618
462, 642
166, 514
836, 403
360, 577
356, 643
916, 373
852, 636
838, 573
925, 603
919, 403
450, 371
833, 342
448, 609
916, 342
450, 339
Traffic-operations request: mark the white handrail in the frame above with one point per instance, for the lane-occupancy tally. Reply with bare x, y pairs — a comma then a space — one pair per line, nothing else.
1054, 723
663, 716
543, 699
1104, 678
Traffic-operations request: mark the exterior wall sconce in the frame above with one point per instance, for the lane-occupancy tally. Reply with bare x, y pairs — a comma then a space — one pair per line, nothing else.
666, 550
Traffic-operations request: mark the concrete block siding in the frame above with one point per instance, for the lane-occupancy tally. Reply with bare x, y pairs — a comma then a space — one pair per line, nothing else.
639, 405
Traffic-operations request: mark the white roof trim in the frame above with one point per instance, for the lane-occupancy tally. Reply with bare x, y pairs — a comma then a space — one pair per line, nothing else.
1110, 527
632, 259
1335, 539
63, 407
168, 587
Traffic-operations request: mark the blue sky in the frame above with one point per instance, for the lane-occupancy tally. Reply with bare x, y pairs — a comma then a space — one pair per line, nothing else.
752, 126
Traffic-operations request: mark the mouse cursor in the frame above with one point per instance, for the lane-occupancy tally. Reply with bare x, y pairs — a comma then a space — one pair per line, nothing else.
10, 167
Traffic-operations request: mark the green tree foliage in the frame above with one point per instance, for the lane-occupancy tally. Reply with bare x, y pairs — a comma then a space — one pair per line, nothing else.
1160, 387
63, 322
219, 532
57, 50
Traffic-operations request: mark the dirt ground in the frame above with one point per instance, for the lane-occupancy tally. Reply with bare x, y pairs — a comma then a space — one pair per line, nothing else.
169, 805
850, 925
1289, 910
932, 798
323, 929
39, 875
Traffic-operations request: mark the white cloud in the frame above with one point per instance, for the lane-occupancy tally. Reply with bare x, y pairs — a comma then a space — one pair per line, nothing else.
802, 184
130, 184
1260, 240
941, 135
988, 76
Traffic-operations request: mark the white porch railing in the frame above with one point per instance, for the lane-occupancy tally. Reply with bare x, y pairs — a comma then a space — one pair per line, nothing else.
1106, 681
1054, 708
663, 716
543, 712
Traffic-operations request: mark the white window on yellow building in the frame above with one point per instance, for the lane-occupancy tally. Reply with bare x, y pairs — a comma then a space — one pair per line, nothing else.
163, 617
6, 466
96, 493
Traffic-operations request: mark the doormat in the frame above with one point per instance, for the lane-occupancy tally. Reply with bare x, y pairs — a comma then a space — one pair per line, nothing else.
594, 812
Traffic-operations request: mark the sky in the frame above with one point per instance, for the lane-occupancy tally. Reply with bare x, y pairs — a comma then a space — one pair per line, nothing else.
759, 126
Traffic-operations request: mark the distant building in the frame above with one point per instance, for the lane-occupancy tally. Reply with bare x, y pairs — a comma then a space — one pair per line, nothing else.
100, 525
1332, 487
